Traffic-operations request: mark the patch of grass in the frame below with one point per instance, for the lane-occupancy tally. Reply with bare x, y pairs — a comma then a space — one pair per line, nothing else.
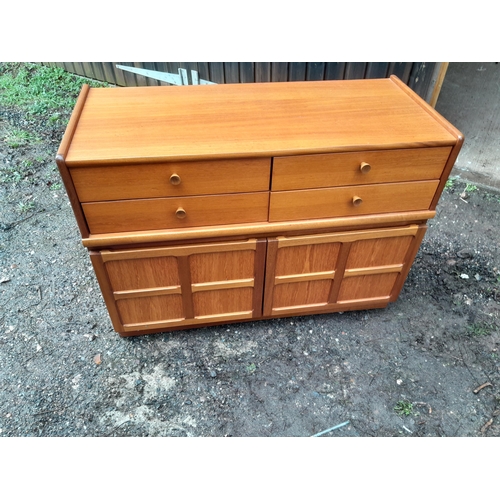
56, 186
492, 197
10, 175
449, 184
404, 408
470, 188
14, 173
16, 138
480, 329
251, 368
40, 89
25, 207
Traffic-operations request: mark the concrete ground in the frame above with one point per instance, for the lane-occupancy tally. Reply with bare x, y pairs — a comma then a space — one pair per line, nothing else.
470, 99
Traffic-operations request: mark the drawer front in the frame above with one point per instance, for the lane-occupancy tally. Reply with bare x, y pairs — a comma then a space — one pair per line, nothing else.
108, 183
344, 169
171, 213
351, 201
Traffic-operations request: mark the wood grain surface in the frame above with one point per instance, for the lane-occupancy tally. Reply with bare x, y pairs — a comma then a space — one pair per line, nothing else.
138, 124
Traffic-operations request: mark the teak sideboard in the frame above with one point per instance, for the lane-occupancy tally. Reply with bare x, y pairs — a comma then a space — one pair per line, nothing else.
219, 203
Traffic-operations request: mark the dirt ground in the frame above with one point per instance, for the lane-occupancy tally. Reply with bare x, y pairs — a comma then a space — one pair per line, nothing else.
412, 369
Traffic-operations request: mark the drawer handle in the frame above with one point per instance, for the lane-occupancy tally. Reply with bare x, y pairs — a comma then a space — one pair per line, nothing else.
175, 180
356, 201
180, 213
365, 167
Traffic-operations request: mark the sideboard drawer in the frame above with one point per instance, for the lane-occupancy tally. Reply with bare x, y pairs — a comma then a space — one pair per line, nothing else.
123, 182
171, 213
351, 200
361, 167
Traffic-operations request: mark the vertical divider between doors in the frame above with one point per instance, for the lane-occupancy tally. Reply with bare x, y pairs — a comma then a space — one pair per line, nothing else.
270, 270
260, 272
339, 272
185, 279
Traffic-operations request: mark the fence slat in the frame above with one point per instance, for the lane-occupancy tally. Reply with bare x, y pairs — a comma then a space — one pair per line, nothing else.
315, 71
247, 73
377, 70
217, 72
262, 72
335, 71
297, 71
355, 71
279, 71
231, 72
203, 71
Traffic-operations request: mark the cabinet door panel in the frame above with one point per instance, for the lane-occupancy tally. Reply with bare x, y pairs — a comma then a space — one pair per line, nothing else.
221, 266
220, 302
182, 285
326, 272
307, 259
150, 309
136, 274
304, 293
299, 272
372, 286
378, 252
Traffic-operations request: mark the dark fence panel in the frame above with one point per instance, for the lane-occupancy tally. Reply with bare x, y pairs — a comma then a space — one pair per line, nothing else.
418, 75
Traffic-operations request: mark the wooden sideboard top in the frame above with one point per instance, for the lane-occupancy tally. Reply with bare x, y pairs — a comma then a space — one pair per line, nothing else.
139, 124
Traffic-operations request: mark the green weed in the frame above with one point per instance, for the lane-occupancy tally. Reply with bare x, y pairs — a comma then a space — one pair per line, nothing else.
449, 184
404, 407
25, 207
480, 329
40, 89
470, 188
251, 368
16, 138
15, 173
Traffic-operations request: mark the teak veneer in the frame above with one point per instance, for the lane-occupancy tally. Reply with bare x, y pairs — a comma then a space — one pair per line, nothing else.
212, 204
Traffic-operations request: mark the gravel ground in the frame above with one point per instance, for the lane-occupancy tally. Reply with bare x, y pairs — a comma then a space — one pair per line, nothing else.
412, 369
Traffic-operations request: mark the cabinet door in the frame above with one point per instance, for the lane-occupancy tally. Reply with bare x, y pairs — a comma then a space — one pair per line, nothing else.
168, 287
338, 271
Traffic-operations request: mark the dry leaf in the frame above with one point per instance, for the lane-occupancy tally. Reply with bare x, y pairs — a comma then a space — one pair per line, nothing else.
97, 359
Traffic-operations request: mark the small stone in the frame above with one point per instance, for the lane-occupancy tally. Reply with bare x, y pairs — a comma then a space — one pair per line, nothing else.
478, 278
4, 279
465, 254
464, 276
213, 373
399, 381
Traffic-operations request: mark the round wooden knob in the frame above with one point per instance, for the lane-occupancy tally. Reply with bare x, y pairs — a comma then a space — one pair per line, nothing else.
356, 201
180, 213
175, 180
365, 167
